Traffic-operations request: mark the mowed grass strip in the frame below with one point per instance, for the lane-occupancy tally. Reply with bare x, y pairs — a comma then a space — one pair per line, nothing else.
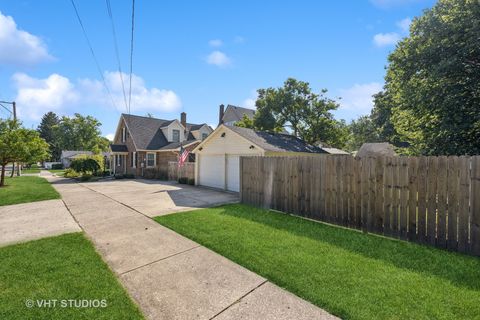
348, 273
26, 189
62, 268
57, 172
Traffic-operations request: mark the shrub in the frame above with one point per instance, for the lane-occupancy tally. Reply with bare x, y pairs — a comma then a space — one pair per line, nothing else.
183, 180
57, 166
70, 173
34, 166
85, 177
85, 165
129, 176
119, 176
191, 182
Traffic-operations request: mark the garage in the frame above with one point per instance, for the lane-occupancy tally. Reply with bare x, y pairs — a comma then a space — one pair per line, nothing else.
217, 162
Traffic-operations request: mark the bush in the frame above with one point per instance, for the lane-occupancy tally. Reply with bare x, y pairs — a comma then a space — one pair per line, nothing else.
129, 176
70, 173
183, 180
85, 165
34, 166
119, 176
57, 166
85, 177
191, 182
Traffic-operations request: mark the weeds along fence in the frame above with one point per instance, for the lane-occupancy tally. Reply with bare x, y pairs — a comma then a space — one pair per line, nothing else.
430, 200
187, 170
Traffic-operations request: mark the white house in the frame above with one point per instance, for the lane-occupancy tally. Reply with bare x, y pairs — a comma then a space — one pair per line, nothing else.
218, 156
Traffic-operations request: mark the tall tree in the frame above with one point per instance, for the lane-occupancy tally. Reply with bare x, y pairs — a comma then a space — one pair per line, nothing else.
81, 133
432, 81
18, 144
48, 130
296, 107
362, 130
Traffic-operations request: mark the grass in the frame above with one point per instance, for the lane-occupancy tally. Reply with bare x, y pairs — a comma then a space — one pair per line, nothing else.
348, 273
58, 172
30, 171
62, 268
26, 189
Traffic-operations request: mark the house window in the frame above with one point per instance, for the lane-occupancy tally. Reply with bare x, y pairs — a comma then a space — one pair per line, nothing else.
150, 159
175, 135
204, 136
124, 135
119, 160
134, 160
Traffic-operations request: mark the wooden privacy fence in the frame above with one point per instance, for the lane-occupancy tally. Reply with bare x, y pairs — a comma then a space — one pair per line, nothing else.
430, 200
187, 170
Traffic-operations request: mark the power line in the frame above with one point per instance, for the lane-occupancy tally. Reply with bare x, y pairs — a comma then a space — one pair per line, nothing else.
114, 33
99, 69
131, 57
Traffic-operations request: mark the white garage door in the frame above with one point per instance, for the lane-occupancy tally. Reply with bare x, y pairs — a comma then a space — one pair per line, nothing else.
233, 173
212, 171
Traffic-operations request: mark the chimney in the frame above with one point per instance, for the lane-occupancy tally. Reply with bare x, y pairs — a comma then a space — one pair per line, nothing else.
183, 119
221, 113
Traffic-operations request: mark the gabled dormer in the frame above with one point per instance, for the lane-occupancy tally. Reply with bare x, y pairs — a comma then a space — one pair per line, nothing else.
174, 131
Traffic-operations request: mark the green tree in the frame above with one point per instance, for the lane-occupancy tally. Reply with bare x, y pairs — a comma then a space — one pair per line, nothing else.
48, 130
432, 82
18, 144
296, 107
361, 131
81, 133
245, 122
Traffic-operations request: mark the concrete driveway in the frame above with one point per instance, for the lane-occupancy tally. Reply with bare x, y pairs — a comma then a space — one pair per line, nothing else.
154, 198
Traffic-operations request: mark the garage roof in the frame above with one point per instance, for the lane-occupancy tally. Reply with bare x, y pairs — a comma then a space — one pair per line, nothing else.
276, 142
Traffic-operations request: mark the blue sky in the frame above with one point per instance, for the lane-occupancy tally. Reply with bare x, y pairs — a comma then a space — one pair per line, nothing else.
194, 55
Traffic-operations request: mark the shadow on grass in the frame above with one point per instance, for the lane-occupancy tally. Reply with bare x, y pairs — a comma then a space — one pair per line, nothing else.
461, 270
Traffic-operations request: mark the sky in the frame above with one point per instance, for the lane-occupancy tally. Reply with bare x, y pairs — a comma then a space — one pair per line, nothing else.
192, 56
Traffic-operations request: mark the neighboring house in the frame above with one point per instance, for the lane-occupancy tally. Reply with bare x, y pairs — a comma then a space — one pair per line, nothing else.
143, 146
68, 155
233, 114
376, 149
218, 157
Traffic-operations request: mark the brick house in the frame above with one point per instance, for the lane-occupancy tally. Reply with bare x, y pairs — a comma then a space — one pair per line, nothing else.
143, 146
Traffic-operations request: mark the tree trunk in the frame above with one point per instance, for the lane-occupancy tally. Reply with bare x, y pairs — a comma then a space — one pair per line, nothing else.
2, 176
19, 169
13, 170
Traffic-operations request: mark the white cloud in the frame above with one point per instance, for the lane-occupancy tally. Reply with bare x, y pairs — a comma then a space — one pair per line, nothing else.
359, 98
249, 103
215, 43
143, 98
36, 96
404, 24
219, 59
391, 38
19, 47
110, 136
59, 94
386, 39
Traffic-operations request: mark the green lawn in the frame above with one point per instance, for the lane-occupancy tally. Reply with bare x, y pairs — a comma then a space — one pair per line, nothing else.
348, 273
30, 171
26, 189
62, 268
58, 172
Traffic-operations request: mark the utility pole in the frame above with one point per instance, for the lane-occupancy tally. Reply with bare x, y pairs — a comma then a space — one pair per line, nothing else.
14, 107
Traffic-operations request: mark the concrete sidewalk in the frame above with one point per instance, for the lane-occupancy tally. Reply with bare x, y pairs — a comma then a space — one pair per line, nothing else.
170, 276
34, 220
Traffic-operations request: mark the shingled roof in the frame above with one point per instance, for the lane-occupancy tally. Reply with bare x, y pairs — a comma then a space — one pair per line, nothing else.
147, 134
276, 142
234, 113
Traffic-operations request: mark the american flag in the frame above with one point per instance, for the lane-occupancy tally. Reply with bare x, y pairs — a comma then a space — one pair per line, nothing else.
183, 156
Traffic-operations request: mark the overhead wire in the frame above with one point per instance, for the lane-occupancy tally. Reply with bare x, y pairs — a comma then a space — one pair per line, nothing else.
114, 34
131, 58
99, 69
